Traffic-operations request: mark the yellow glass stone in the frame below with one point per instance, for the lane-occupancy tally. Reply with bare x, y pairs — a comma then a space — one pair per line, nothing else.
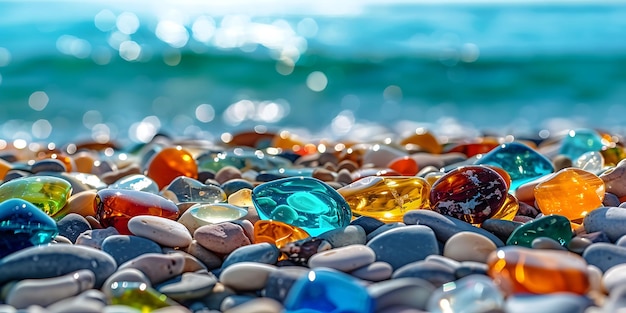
508, 210
242, 198
386, 198
570, 192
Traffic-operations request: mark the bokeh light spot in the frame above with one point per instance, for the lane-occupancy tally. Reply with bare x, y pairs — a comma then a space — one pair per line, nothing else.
38, 100
205, 113
317, 81
41, 129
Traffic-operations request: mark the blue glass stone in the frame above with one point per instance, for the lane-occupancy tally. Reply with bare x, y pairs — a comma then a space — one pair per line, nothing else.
470, 294
521, 162
305, 202
579, 141
136, 182
290, 172
23, 225
326, 291
185, 189
241, 158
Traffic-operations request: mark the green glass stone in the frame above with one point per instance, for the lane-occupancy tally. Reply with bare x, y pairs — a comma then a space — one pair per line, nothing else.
241, 158
46, 192
553, 226
139, 296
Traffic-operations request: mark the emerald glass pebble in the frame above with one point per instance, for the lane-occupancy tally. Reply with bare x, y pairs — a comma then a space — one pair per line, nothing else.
579, 141
139, 296
23, 225
552, 226
46, 192
304, 202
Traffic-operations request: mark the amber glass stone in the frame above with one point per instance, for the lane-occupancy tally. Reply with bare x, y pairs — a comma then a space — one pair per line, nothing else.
170, 163
508, 210
470, 193
570, 192
251, 139
114, 207
405, 165
386, 198
278, 233
613, 155
425, 140
367, 172
505, 175
519, 270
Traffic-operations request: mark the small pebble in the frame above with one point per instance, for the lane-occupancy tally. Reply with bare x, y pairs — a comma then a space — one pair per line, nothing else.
246, 276
163, 231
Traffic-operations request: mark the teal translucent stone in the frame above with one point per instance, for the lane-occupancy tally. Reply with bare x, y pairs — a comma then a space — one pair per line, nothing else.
553, 226
302, 201
470, 294
136, 182
579, 141
324, 290
184, 189
23, 225
289, 172
521, 162
241, 158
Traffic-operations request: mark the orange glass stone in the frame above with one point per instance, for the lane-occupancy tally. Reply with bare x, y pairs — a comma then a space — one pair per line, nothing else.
570, 192
518, 270
251, 139
290, 142
170, 163
405, 165
278, 233
425, 140
474, 148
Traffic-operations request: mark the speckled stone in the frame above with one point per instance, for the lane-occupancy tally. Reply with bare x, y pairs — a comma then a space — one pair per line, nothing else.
391, 246
157, 267
72, 225
124, 247
222, 238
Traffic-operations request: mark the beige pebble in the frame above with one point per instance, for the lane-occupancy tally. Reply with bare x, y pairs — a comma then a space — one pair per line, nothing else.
208, 258
615, 179
246, 276
62, 240
172, 309
222, 238
324, 175
259, 305
227, 173
81, 203
111, 177
125, 274
468, 246
346, 259
157, 267
161, 230
84, 162
377, 271
46, 291
192, 264
526, 191
241, 197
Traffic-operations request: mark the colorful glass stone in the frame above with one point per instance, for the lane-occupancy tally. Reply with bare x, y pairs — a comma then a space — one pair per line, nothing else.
477, 292
474, 148
425, 140
323, 290
579, 141
302, 201
386, 198
404, 165
277, 233
241, 158
470, 193
613, 155
552, 226
289, 172
169, 163
216, 213
368, 172
136, 182
23, 225
115, 207
508, 210
522, 270
48, 193
241, 198
521, 162
570, 192
139, 296
591, 161
184, 189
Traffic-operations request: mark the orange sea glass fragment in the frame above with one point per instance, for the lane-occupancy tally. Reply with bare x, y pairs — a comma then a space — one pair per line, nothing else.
570, 192
518, 270
169, 163
508, 210
425, 140
404, 165
472, 149
278, 233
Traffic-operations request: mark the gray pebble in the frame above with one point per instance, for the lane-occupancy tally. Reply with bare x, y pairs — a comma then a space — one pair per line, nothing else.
546, 243
235, 300
403, 245
433, 272
368, 223
501, 228
72, 225
345, 236
605, 255
578, 244
259, 252
610, 220
128, 275
550, 303
188, 286
279, 282
94, 238
126, 247
409, 292
48, 165
383, 229
467, 268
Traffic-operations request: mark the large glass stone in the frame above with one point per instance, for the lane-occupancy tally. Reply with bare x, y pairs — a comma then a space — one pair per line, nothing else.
277, 233
23, 225
553, 226
591, 161
519, 160
184, 189
48, 193
323, 290
470, 294
302, 201
386, 198
139, 296
170, 163
579, 141
136, 182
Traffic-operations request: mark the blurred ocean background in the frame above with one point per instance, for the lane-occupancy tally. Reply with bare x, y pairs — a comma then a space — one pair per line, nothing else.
126, 70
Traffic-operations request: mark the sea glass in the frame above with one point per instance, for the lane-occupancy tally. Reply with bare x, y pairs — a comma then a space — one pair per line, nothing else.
302, 201
552, 226
425, 140
137, 182
471, 193
519, 270
508, 210
612, 155
519, 160
579, 141
139, 296
404, 165
277, 233
570, 192
23, 225
115, 207
184, 189
386, 198
470, 294
591, 161
474, 148
48, 193
241, 158
323, 290
216, 213
169, 163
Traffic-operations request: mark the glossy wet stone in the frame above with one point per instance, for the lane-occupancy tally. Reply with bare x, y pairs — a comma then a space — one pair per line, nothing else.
591, 161
477, 292
46, 291
206, 214
386, 198
390, 246
304, 202
46, 192
115, 207
241, 158
570, 192
519, 270
170, 163
139, 296
23, 225
605, 255
519, 160
277, 233
328, 291
556, 227
577, 142
262, 252
184, 189
137, 182
610, 220
469, 193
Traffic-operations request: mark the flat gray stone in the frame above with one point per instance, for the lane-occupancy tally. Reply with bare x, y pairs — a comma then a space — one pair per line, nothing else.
345, 236
188, 286
409, 292
434, 272
72, 225
604, 255
610, 220
403, 245
127, 247
259, 252
550, 303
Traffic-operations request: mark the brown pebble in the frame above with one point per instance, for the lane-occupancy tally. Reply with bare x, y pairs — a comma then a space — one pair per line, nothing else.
81, 203
324, 175
222, 238
560, 162
208, 258
344, 176
227, 173
330, 166
615, 179
349, 165
84, 162
111, 177
93, 222
157, 267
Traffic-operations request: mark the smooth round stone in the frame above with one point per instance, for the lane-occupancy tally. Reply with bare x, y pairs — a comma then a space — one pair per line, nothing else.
382, 229
126, 274
345, 259
45, 192
78, 304
163, 231
279, 282
46, 291
95, 237
157, 267
409, 292
192, 264
546, 243
579, 244
345, 236
222, 238
257, 305
468, 246
557, 227
234, 301
234, 185
501, 228
468, 268
227, 173
550, 303
48, 165
56, 260
605, 255
453, 264
188, 286
377, 271
433, 272
23, 225
246, 276
72, 225
610, 220
615, 179
368, 223
259, 252
445, 226
206, 214
124, 247
614, 277
137, 182
80, 203
208, 258
391, 246
241, 198
611, 200
477, 292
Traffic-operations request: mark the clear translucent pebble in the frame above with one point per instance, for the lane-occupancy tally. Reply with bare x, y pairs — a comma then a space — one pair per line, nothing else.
470, 294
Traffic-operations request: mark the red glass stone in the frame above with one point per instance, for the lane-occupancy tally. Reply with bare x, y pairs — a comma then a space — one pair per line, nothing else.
171, 163
404, 165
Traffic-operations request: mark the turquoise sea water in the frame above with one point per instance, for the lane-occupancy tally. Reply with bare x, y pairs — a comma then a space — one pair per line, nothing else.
124, 71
